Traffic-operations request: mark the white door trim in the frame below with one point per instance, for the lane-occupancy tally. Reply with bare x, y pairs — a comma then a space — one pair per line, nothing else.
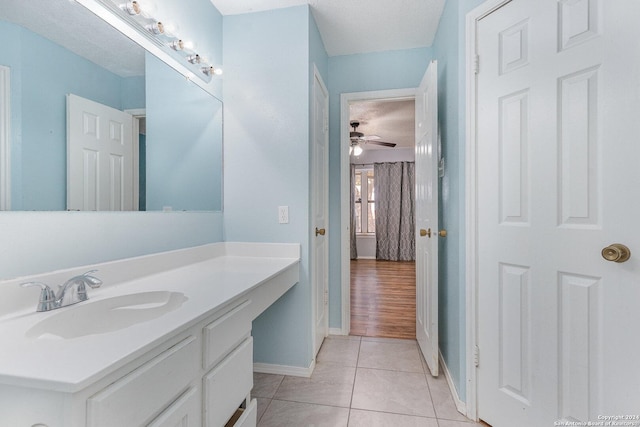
318, 77
471, 197
345, 266
5, 138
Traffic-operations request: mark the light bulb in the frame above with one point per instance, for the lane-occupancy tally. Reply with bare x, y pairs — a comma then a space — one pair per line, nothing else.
194, 59
357, 150
156, 28
132, 7
177, 45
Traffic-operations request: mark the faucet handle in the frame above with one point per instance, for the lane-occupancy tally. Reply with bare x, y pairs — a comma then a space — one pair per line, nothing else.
90, 280
47, 296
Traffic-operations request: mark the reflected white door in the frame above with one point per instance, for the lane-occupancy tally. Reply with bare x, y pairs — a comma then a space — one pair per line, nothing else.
100, 166
426, 205
319, 206
558, 179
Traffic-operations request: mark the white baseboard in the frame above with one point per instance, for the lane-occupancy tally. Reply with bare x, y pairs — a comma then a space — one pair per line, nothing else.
337, 331
366, 257
460, 405
294, 371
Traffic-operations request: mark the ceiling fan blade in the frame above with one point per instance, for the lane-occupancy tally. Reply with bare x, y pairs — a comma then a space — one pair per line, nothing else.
383, 143
370, 137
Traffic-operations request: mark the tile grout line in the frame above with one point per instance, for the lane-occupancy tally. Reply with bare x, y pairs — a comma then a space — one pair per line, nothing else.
353, 387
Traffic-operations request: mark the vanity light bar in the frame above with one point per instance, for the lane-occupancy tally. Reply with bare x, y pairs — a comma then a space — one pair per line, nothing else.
159, 29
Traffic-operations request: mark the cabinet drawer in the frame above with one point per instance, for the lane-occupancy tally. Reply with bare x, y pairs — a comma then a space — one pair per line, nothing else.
136, 397
225, 333
184, 412
228, 384
250, 416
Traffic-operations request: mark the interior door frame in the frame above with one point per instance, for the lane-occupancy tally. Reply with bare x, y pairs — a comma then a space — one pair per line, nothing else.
314, 292
471, 198
345, 205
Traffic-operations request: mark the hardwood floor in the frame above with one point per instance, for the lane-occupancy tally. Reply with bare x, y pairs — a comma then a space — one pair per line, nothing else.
383, 298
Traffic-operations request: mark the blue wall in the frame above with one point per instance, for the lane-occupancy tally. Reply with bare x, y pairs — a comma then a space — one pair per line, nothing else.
359, 73
36, 242
42, 74
449, 49
184, 156
267, 59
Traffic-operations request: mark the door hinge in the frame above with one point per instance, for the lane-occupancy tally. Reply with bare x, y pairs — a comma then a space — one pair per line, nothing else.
476, 64
326, 297
476, 356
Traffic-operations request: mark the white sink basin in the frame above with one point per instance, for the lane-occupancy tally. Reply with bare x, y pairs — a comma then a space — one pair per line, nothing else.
106, 315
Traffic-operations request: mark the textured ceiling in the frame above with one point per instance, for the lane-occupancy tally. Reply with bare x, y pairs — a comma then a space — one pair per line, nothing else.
74, 27
359, 26
391, 120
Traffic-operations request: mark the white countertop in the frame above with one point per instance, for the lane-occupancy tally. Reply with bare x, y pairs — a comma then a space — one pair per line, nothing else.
221, 273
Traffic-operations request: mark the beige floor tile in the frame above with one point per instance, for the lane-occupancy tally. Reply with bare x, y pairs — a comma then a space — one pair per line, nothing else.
388, 340
396, 356
442, 399
331, 384
392, 391
342, 350
360, 418
449, 423
294, 414
263, 404
265, 385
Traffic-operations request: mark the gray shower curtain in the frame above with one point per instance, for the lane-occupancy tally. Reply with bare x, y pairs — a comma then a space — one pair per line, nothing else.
395, 227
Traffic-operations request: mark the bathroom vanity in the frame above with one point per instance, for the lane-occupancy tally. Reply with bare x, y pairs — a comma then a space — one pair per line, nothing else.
165, 341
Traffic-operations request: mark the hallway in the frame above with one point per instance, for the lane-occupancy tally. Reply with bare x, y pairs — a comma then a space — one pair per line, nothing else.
383, 298
359, 382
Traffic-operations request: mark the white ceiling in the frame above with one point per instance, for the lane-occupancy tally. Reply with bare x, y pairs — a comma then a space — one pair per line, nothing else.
391, 120
74, 27
359, 26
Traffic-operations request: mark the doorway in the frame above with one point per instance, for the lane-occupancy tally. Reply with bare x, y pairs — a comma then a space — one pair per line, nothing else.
366, 282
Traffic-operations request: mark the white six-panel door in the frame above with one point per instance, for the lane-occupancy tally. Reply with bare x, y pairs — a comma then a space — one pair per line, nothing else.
426, 212
100, 169
558, 129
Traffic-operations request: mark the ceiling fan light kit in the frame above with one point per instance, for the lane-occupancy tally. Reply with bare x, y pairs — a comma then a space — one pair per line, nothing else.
358, 139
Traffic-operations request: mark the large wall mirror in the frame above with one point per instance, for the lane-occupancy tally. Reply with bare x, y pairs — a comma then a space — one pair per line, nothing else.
62, 61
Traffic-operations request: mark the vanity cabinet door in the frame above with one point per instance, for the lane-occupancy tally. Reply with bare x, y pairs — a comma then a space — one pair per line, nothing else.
227, 385
135, 398
184, 412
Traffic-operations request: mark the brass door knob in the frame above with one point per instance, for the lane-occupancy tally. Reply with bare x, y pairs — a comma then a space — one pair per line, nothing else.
424, 232
442, 233
320, 231
616, 252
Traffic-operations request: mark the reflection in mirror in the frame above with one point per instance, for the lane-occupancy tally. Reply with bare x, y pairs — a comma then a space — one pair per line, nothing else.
59, 48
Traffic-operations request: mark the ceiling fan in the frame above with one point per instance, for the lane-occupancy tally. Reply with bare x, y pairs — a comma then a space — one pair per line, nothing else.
358, 138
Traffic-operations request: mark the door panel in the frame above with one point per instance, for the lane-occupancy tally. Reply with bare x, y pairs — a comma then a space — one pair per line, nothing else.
426, 205
100, 169
556, 170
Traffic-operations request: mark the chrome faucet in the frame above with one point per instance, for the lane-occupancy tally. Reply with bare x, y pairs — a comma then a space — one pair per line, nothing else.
72, 291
